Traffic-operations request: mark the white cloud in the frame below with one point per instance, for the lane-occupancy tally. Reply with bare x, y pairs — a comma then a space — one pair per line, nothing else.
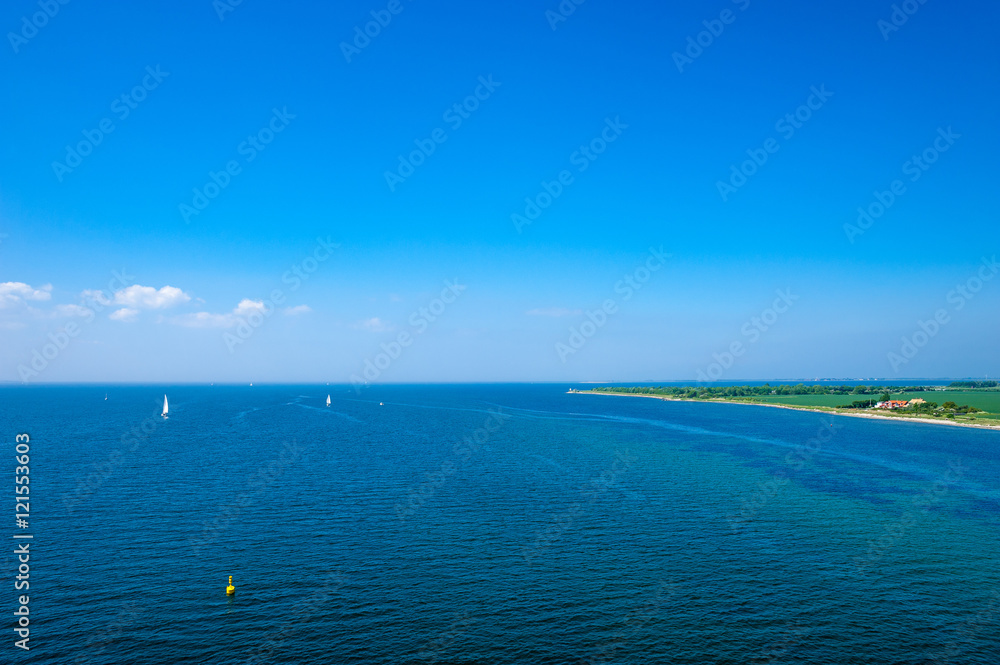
247, 307
146, 297
72, 310
204, 320
12, 293
373, 324
125, 315
553, 311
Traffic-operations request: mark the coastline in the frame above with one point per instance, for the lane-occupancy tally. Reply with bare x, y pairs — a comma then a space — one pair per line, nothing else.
904, 419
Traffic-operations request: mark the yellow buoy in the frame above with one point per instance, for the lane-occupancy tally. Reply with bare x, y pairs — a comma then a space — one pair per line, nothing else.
230, 590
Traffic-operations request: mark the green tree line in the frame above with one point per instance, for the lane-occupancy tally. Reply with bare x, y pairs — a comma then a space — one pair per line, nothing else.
707, 392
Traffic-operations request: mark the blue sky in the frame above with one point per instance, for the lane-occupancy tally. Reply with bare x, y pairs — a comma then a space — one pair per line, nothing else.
336, 127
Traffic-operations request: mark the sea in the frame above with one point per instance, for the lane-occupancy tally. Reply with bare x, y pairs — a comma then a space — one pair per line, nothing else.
489, 524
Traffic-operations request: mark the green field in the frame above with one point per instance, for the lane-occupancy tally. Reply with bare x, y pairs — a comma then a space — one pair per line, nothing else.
808, 400
987, 400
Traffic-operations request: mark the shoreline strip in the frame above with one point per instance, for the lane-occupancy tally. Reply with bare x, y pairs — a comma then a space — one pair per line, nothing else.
904, 419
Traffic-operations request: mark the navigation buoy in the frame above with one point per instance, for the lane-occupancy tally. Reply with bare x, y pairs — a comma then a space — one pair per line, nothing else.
230, 590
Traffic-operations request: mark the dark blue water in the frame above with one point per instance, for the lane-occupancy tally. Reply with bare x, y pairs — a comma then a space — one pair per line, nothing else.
495, 524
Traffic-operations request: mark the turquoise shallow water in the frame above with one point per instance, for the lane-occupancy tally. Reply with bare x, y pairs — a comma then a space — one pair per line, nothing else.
497, 524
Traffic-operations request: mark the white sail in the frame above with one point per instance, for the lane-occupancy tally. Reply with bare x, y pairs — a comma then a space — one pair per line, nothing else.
328, 400
165, 408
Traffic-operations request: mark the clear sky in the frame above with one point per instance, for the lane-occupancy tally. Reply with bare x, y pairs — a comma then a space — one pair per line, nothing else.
736, 139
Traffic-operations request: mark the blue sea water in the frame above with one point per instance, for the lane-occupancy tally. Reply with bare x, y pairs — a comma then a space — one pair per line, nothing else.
494, 524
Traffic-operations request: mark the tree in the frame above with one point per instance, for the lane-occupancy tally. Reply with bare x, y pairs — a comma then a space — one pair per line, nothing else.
949, 405
884, 397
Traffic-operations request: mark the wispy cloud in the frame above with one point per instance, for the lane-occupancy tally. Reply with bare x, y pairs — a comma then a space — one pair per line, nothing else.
125, 315
245, 308
71, 310
374, 324
553, 311
12, 293
203, 320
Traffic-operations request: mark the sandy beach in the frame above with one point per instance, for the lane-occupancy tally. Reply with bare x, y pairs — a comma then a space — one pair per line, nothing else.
801, 408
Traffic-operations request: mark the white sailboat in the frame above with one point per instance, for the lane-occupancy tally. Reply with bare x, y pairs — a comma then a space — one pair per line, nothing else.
328, 400
165, 407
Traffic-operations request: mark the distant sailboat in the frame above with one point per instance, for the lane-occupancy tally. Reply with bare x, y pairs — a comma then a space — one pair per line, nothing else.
165, 407
328, 400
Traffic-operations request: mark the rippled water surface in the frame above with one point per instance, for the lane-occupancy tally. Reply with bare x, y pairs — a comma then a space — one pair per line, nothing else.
497, 524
